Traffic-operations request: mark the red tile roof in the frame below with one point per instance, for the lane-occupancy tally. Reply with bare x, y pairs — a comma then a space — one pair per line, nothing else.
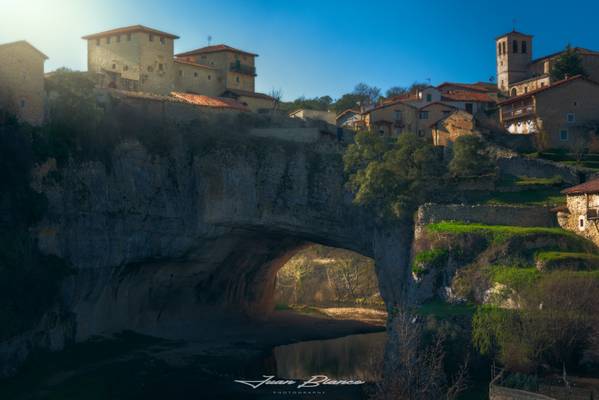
215, 49
464, 95
23, 43
211, 102
130, 29
477, 86
181, 61
587, 187
545, 88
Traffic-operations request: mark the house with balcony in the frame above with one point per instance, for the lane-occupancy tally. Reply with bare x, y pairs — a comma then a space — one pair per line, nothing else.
564, 114
581, 214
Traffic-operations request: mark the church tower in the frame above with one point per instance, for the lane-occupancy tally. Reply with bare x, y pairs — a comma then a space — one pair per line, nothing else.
514, 54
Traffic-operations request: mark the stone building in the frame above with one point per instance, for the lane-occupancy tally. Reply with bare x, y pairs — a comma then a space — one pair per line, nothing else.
518, 73
22, 81
391, 118
238, 68
197, 78
581, 214
446, 130
564, 114
134, 58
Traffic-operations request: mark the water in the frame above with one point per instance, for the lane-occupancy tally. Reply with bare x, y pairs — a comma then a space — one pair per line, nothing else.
138, 367
354, 356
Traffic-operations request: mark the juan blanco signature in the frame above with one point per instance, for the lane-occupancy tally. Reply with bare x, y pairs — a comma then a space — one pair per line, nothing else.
315, 380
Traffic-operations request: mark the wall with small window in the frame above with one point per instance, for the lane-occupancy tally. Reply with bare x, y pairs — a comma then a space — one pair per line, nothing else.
198, 79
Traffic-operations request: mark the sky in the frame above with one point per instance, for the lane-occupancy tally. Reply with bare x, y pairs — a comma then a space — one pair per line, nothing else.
315, 48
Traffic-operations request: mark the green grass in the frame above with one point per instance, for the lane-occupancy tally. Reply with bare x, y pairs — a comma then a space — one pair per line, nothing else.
514, 277
429, 258
526, 180
542, 197
498, 233
442, 309
563, 256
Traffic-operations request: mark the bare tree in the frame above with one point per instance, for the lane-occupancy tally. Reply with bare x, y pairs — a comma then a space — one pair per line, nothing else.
277, 95
415, 371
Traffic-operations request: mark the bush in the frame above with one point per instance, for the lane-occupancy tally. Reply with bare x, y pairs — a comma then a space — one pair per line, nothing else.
470, 158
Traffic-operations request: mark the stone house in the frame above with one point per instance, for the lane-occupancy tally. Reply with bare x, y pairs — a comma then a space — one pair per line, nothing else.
238, 67
196, 78
430, 114
564, 114
134, 58
22, 81
257, 102
349, 119
326, 116
391, 118
518, 73
581, 214
446, 130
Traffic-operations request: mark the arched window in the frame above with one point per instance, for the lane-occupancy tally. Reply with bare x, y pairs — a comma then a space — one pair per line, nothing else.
514, 92
514, 46
503, 45
498, 48
524, 47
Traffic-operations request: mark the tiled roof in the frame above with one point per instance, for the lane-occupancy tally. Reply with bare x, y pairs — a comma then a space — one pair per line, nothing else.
349, 110
478, 86
437, 103
579, 50
215, 49
129, 29
180, 61
387, 104
211, 102
245, 93
512, 33
545, 88
21, 43
587, 187
464, 95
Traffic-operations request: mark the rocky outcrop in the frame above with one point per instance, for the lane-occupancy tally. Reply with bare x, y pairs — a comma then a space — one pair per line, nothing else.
159, 241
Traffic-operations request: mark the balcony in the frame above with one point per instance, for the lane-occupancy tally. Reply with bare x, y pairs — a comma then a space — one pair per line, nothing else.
517, 110
242, 69
593, 214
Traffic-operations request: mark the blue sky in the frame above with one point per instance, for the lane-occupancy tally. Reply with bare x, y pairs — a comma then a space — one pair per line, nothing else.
315, 48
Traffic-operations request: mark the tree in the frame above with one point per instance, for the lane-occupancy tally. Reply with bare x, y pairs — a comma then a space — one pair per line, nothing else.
277, 95
568, 64
391, 176
368, 94
470, 157
396, 91
348, 101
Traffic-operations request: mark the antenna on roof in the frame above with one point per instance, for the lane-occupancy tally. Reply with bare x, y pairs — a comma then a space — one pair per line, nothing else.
209, 39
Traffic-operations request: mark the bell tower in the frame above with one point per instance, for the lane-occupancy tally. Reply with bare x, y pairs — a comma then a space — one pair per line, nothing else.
514, 54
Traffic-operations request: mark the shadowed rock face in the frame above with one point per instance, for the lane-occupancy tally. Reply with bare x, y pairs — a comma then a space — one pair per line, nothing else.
161, 241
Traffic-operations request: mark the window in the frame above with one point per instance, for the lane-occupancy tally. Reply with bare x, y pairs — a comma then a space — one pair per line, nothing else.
514, 92
420, 132
150, 69
581, 223
180, 72
97, 42
498, 48
209, 77
525, 89
514, 46
524, 47
126, 68
423, 115
429, 97
151, 37
160, 67
162, 40
128, 37
575, 104
563, 135
542, 84
570, 117
469, 107
108, 40
118, 38
113, 66
237, 79
398, 115
195, 74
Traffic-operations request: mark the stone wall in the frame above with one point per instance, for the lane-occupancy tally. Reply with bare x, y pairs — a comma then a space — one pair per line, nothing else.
517, 165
